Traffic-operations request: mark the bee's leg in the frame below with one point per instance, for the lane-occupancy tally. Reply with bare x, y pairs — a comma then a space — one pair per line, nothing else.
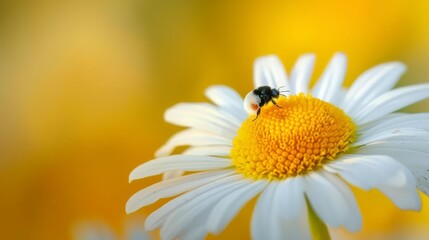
257, 114
274, 102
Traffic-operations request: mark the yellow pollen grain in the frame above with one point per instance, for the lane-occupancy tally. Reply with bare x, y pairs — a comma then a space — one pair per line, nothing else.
299, 137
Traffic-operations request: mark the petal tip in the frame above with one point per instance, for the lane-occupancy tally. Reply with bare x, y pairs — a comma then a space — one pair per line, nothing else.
130, 207
340, 56
132, 177
161, 152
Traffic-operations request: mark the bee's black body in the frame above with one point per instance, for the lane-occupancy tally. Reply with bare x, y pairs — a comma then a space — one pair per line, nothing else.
266, 94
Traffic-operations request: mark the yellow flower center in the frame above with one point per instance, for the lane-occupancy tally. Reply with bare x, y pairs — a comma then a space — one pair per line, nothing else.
299, 137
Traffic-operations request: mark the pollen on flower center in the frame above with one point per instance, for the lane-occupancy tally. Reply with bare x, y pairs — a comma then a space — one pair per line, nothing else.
299, 137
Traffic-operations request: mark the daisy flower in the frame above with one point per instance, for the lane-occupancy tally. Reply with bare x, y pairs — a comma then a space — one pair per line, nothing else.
297, 157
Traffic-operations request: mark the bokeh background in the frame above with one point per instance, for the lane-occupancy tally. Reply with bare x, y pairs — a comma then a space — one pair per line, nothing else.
84, 85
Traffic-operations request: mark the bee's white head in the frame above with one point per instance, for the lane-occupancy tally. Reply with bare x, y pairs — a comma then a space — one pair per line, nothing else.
251, 103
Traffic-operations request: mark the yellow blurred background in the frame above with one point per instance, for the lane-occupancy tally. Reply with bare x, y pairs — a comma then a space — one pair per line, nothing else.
84, 85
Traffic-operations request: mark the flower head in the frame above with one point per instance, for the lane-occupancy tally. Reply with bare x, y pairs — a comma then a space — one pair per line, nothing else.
298, 154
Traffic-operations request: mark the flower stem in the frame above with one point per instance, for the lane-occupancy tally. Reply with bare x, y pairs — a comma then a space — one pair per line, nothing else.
318, 228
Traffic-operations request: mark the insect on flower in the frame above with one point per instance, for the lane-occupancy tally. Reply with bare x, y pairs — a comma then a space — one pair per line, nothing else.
298, 168
260, 97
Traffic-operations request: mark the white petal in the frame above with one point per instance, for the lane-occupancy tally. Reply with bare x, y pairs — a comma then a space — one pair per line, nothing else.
291, 210
417, 162
264, 225
371, 84
291, 191
332, 78
390, 133
270, 221
419, 146
203, 116
179, 219
158, 217
379, 121
192, 137
197, 232
338, 98
297, 228
274, 216
301, 73
410, 158
172, 187
332, 200
391, 101
381, 172
172, 174
419, 137
269, 71
178, 162
215, 150
418, 120
221, 151
228, 99
226, 209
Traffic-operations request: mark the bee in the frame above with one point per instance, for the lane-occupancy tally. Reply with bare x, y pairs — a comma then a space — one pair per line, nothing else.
259, 97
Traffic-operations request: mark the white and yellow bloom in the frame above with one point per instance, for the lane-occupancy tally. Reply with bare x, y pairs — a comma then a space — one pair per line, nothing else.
298, 157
